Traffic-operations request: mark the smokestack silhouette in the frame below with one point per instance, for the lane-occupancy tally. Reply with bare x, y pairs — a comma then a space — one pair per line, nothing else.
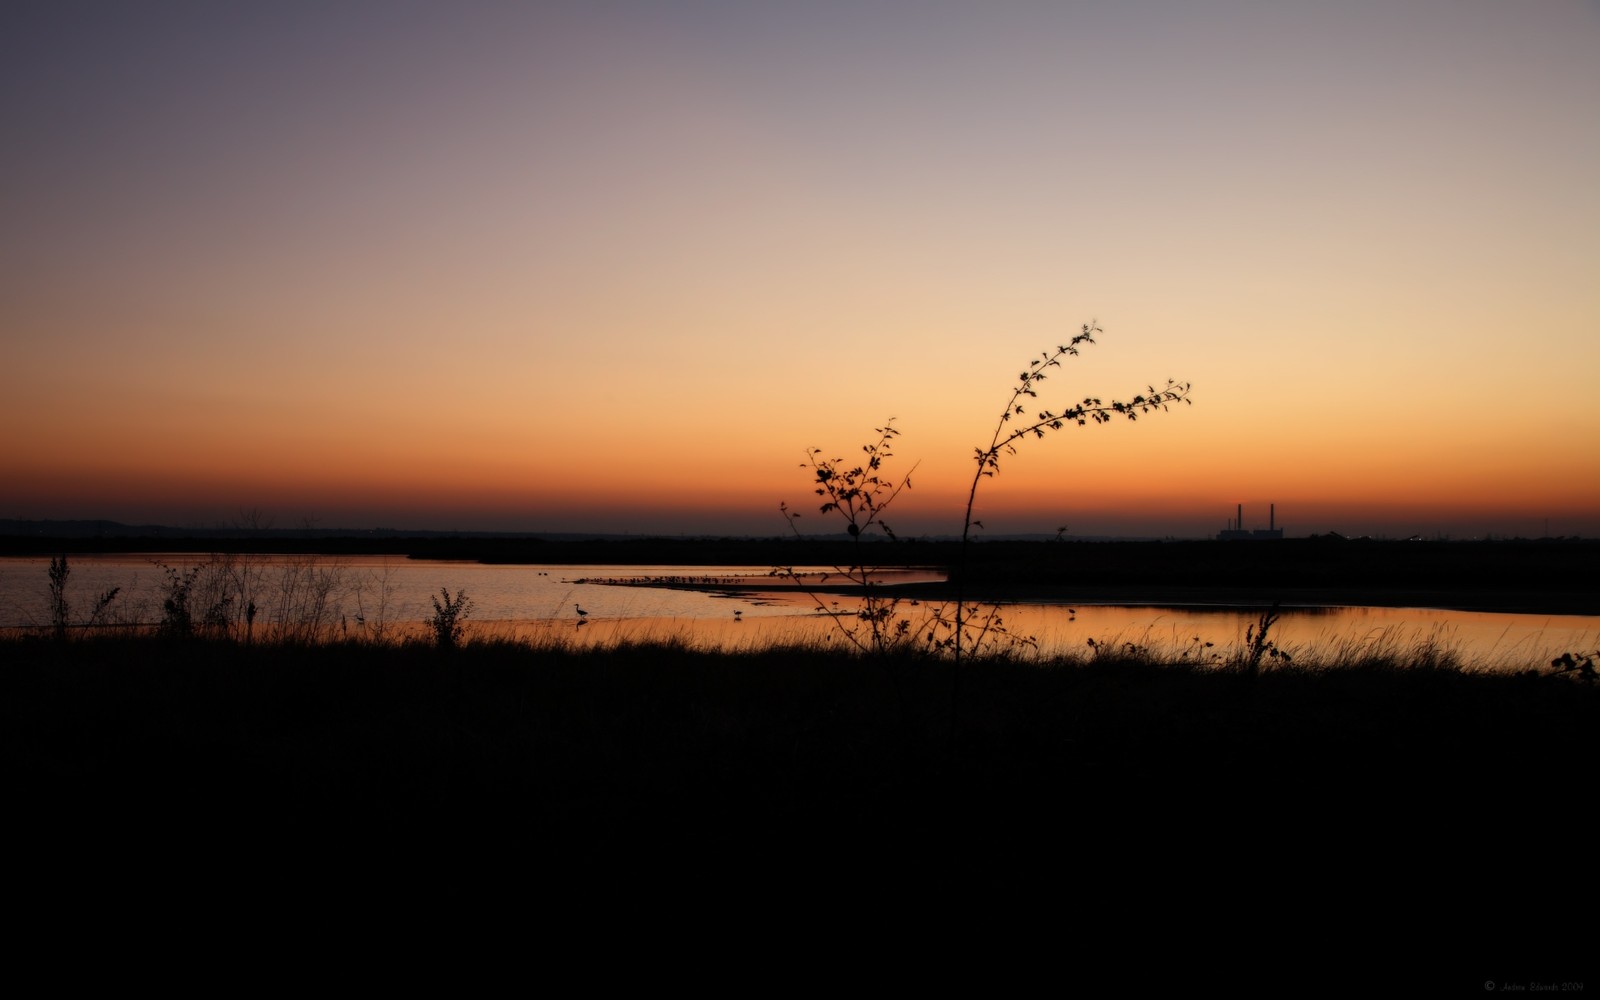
1272, 517
1238, 521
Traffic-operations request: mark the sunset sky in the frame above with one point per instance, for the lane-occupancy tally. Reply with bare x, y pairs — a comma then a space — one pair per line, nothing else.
614, 266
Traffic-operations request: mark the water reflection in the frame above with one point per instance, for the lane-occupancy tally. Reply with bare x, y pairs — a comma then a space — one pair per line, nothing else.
1345, 635
743, 607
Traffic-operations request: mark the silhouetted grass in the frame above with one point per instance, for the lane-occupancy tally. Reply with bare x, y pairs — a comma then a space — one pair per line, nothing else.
620, 782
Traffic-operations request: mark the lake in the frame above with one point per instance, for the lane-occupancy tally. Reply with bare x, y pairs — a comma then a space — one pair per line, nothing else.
370, 595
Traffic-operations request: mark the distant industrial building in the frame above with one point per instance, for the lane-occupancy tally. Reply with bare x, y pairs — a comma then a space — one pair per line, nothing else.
1235, 531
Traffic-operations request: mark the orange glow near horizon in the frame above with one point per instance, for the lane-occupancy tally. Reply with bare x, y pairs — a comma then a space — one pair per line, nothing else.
615, 272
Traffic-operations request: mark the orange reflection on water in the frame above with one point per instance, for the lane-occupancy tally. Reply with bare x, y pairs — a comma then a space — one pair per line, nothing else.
1476, 640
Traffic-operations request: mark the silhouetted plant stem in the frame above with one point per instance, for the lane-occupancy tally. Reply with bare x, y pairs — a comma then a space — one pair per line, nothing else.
1257, 645
861, 494
59, 610
446, 622
1005, 438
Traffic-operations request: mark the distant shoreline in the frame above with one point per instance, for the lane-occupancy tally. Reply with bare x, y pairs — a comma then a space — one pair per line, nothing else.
1548, 576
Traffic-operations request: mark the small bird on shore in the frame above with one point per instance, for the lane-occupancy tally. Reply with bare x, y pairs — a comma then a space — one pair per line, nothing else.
581, 613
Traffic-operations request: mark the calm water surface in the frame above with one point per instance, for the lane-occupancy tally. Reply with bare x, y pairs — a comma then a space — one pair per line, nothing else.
356, 595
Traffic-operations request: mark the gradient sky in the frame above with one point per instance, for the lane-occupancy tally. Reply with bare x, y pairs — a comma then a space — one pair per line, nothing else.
615, 265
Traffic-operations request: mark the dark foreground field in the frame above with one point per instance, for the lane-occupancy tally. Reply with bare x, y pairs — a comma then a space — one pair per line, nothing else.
800, 792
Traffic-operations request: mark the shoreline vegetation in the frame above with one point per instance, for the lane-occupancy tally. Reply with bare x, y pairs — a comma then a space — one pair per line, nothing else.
1118, 790
798, 783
